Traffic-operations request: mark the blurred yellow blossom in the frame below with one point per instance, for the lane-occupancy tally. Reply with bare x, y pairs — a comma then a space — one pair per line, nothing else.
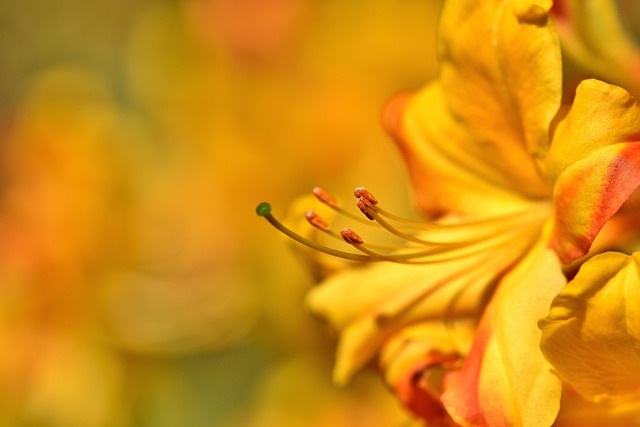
133, 137
598, 40
297, 392
59, 217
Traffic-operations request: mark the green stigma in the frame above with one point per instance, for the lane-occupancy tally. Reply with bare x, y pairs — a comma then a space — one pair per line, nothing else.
263, 209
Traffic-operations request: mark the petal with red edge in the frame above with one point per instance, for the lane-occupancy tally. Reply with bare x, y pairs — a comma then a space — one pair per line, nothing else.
505, 381
588, 193
601, 115
415, 360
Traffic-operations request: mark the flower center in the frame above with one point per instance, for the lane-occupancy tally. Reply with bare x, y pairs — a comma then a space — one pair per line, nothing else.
416, 242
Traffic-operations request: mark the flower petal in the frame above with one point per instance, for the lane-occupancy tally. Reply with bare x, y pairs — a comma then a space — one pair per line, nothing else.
415, 360
601, 115
448, 172
475, 131
505, 381
594, 160
588, 193
501, 70
577, 412
592, 333
369, 305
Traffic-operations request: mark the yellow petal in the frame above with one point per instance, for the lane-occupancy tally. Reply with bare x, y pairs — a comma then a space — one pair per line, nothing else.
448, 168
369, 305
592, 333
505, 381
410, 346
601, 115
577, 412
594, 160
501, 70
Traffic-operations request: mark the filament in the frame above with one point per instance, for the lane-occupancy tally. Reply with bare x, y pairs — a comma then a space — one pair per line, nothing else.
418, 245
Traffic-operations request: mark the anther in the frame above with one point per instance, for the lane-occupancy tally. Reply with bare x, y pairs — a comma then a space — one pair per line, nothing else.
366, 207
325, 197
351, 237
364, 193
316, 220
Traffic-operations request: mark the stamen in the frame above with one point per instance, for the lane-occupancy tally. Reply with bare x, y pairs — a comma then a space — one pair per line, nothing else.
501, 220
316, 220
321, 224
331, 201
366, 207
325, 197
373, 212
429, 256
374, 216
351, 237
422, 243
362, 192
368, 204
370, 210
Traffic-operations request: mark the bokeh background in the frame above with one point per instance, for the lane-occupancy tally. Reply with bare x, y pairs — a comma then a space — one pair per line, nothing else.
137, 285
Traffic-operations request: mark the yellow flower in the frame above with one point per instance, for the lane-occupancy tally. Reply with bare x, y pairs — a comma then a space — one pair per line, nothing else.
521, 187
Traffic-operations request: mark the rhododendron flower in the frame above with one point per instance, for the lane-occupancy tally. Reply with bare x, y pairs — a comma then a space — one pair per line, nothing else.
516, 187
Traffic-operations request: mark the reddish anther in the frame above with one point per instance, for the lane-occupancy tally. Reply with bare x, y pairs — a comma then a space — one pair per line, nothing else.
316, 220
325, 197
364, 193
367, 208
351, 237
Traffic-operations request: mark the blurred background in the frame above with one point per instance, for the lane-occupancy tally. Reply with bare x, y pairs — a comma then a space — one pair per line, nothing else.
138, 287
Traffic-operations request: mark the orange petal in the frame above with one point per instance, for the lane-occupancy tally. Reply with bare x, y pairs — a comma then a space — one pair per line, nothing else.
601, 115
590, 192
416, 396
415, 360
505, 381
